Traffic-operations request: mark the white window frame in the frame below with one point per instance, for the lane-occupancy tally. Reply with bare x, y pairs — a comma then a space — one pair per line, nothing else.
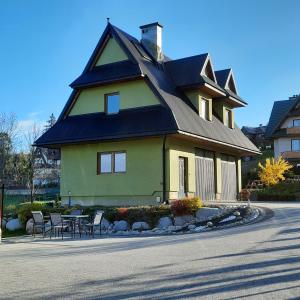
204, 114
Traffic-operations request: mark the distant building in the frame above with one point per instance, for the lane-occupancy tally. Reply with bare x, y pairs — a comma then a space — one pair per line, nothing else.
257, 136
47, 166
284, 129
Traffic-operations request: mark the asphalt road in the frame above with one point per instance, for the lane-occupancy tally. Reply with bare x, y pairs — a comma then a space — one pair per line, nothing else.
258, 261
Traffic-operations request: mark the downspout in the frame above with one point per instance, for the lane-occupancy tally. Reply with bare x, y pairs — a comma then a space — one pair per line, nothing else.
164, 170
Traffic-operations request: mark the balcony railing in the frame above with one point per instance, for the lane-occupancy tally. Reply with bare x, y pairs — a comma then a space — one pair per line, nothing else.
290, 154
293, 130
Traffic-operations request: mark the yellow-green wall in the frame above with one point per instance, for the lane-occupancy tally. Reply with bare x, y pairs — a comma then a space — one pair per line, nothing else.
111, 53
141, 183
195, 97
132, 94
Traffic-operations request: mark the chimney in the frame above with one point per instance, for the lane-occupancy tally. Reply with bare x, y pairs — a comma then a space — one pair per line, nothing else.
152, 40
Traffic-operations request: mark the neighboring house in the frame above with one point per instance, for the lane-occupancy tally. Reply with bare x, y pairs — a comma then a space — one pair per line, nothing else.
284, 129
257, 136
46, 166
140, 128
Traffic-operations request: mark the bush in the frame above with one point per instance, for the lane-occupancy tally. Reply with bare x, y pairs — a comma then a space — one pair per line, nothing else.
24, 210
186, 206
281, 192
149, 214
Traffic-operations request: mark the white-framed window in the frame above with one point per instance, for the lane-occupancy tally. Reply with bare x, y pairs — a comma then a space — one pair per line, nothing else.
112, 103
105, 165
295, 145
111, 162
296, 123
119, 162
204, 113
227, 118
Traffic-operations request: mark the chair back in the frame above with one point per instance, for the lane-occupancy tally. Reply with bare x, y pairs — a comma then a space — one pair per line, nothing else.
38, 217
56, 219
98, 217
76, 212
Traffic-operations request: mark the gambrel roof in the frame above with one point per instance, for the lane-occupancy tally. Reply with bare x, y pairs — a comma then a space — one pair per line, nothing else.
178, 113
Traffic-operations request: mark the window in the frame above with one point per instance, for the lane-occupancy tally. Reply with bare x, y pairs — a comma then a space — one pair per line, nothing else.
120, 162
227, 118
111, 162
204, 109
105, 163
296, 123
112, 103
295, 145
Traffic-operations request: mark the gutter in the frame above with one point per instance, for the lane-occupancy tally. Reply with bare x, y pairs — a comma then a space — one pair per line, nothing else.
164, 170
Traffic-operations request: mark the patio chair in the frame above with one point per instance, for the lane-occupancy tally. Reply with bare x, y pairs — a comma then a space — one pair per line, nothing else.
57, 224
38, 222
96, 222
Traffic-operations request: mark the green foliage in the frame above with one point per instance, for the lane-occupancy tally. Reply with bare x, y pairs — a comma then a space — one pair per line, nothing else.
186, 206
149, 214
24, 210
281, 192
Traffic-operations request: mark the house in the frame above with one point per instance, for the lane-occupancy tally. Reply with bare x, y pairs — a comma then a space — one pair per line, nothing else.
284, 129
46, 166
140, 128
257, 136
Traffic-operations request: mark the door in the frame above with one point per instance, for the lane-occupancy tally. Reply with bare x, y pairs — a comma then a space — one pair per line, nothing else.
229, 178
182, 177
205, 174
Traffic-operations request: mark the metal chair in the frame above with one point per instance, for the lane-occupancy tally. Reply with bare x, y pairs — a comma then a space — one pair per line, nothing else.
96, 222
57, 224
38, 222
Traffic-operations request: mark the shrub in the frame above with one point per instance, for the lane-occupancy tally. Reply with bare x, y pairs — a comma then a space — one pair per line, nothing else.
186, 206
25, 209
273, 170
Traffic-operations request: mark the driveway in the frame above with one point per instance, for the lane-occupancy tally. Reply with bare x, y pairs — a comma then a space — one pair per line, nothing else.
258, 261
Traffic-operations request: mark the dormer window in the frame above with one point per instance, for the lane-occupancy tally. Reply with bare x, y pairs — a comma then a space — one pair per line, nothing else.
296, 123
228, 118
204, 113
112, 103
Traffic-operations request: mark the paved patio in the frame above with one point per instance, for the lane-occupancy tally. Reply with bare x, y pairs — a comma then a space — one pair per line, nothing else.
258, 261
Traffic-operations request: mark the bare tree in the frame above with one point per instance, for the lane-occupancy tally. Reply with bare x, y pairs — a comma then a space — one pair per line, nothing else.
8, 134
30, 137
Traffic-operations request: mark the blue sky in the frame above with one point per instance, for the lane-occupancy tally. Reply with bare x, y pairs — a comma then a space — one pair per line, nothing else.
46, 44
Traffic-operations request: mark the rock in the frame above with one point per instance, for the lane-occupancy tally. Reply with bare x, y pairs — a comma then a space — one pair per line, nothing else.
229, 218
140, 226
105, 225
13, 225
191, 226
237, 213
29, 227
209, 224
182, 220
174, 228
120, 226
164, 222
205, 213
199, 228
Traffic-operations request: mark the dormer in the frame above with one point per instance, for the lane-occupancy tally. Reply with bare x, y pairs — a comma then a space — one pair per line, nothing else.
225, 80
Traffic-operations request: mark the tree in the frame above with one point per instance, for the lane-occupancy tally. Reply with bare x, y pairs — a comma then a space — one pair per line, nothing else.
8, 133
273, 170
33, 133
50, 122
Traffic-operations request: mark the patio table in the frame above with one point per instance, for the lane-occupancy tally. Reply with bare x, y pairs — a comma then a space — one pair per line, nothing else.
73, 219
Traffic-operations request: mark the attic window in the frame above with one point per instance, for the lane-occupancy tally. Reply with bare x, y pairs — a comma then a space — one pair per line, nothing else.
204, 112
112, 103
228, 118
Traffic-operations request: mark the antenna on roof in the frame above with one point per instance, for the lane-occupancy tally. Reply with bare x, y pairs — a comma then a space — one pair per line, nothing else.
107, 20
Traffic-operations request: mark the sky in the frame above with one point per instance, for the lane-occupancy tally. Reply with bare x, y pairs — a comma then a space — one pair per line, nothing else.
45, 45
